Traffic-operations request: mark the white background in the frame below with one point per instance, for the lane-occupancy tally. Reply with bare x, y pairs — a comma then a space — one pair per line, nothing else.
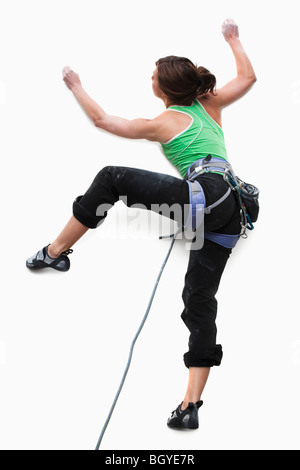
64, 338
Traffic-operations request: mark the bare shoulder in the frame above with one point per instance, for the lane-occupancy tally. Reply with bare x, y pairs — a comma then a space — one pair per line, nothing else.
211, 105
170, 123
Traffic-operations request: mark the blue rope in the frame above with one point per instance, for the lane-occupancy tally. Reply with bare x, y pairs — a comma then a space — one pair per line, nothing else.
134, 341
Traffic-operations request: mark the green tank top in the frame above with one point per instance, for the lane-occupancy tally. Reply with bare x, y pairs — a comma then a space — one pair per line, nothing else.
203, 137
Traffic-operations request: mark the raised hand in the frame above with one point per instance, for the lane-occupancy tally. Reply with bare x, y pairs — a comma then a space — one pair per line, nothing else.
230, 29
70, 78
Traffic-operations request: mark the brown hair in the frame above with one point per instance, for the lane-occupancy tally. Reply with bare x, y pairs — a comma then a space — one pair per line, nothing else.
182, 81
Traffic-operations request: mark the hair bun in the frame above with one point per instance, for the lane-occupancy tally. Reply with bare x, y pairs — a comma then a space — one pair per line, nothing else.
182, 81
206, 79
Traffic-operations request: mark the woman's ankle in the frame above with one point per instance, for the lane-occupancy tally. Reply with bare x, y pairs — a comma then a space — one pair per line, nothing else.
184, 405
52, 252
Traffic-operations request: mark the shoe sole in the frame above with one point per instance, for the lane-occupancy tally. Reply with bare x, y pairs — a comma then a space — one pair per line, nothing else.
182, 426
177, 424
40, 265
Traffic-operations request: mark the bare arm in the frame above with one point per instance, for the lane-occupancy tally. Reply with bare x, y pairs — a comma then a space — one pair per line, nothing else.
149, 129
245, 76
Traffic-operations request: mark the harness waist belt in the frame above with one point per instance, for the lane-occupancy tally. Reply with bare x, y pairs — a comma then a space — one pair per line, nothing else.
205, 165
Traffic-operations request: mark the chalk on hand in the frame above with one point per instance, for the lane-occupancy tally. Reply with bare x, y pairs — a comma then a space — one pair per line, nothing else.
66, 70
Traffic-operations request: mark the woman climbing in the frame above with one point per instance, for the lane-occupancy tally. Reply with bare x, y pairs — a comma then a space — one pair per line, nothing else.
190, 132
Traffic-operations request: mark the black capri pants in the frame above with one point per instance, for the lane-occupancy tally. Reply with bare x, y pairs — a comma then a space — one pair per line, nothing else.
157, 191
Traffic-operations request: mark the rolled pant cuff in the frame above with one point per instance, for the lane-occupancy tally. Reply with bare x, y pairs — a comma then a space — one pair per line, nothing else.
206, 357
81, 214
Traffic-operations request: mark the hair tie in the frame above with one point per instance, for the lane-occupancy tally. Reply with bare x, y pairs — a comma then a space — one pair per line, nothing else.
198, 82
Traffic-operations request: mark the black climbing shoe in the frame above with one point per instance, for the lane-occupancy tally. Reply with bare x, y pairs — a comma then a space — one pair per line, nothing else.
42, 260
187, 419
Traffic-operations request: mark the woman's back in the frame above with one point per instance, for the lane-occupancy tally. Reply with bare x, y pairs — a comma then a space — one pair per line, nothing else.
201, 137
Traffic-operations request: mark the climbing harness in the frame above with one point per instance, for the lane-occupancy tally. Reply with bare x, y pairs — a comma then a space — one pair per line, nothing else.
247, 196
